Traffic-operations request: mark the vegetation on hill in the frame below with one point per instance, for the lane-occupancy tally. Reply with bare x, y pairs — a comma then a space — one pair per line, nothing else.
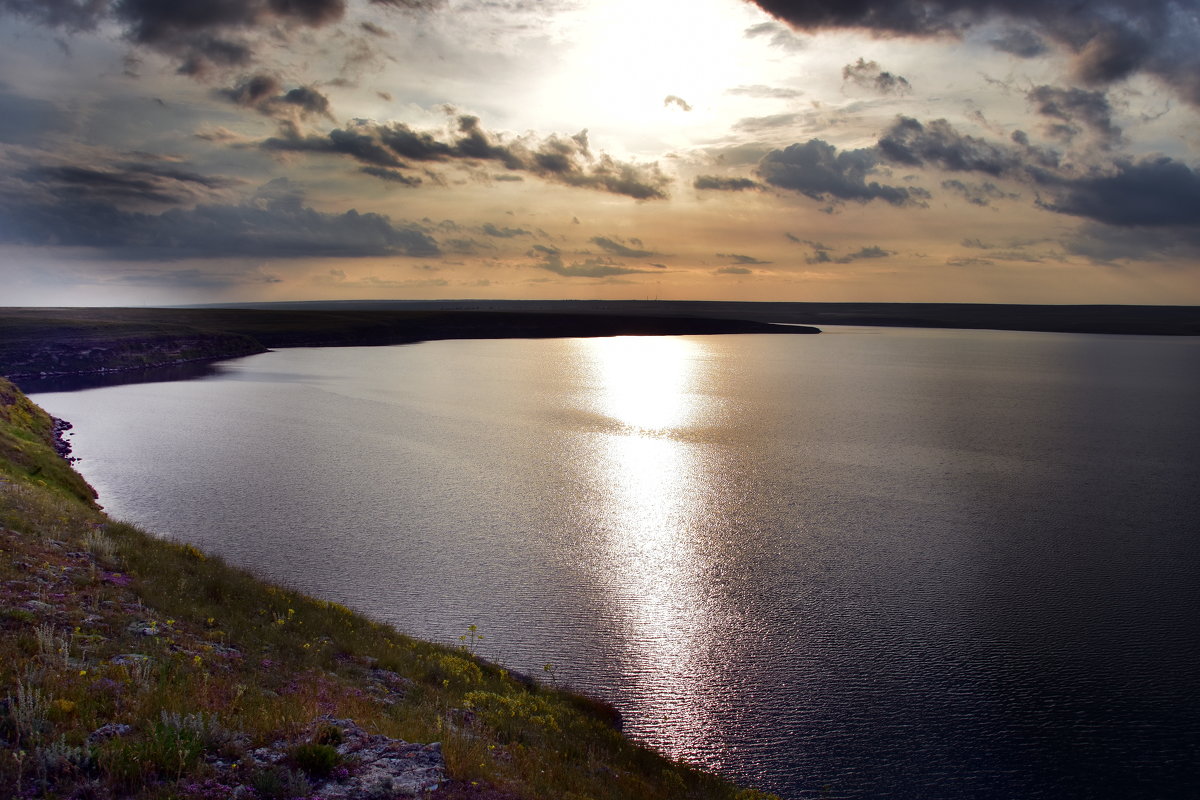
134, 667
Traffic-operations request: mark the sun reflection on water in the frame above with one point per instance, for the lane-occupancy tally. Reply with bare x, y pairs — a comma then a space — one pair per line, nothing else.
643, 382
653, 489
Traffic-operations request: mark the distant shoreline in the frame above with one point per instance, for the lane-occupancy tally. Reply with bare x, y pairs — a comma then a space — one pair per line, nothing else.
1137, 320
37, 344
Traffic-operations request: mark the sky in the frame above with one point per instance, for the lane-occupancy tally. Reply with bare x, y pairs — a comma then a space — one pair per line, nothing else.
195, 151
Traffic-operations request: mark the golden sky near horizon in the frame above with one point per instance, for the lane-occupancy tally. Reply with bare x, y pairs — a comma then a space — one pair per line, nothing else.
188, 152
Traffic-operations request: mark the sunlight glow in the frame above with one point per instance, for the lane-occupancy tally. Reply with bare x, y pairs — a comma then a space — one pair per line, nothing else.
629, 55
654, 491
643, 382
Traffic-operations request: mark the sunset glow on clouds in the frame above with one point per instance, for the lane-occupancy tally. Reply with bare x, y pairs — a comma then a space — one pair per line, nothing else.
1003, 151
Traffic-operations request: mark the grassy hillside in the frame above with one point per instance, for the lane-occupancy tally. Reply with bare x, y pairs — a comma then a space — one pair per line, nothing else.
133, 667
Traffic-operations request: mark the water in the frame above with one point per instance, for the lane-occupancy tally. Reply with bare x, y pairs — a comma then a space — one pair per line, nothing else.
872, 563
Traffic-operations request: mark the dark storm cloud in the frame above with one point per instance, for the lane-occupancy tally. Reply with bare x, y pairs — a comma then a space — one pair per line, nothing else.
202, 53
674, 100
274, 223
120, 183
1113, 53
307, 99
360, 143
403, 140
252, 91
560, 159
198, 34
869, 75
881, 15
1110, 39
1076, 110
551, 260
174, 24
618, 248
167, 171
1108, 244
265, 94
816, 169
938, 144
1037, 158
1155, 191
717, 183
1152, 192
202, 35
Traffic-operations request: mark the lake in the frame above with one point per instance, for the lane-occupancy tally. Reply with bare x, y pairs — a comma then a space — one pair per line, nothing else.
872, 563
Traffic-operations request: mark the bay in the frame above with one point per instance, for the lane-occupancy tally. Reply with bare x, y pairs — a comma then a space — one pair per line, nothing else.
871, 563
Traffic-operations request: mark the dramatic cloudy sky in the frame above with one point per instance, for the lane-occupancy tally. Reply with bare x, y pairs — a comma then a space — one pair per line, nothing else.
176, 151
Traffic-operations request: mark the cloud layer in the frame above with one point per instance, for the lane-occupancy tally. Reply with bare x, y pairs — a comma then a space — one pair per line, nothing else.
816, 168
1109, 39
200, 35
560, 159
274, 223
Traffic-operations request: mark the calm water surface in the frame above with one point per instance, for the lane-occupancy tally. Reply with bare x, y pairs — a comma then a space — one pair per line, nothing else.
868, 564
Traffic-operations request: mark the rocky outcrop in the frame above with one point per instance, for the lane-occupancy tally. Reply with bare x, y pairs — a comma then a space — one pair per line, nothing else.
369, 766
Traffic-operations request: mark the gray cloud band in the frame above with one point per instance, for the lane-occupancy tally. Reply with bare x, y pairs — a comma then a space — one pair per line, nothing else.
560, 159
1108, 39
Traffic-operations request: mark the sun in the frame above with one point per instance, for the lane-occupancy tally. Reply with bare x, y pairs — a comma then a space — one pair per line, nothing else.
629, 56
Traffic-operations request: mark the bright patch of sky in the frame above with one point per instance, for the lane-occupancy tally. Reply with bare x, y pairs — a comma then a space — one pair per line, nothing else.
627, 148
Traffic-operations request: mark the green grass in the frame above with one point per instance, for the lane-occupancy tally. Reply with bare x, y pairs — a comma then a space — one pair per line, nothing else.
105, 625
26, 450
